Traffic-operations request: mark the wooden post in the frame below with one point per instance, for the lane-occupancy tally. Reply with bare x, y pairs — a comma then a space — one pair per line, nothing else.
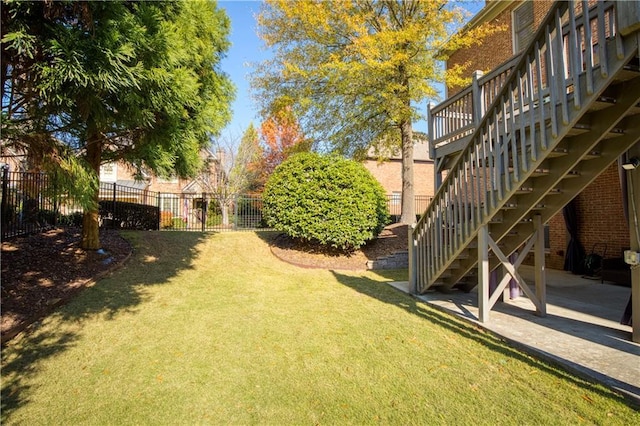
627, 17
478, 98
413, 273
437, 175
540, 274
633, 188
483, 274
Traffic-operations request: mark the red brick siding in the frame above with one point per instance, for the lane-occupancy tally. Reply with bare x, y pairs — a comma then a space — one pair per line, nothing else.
601, 219
496, 48
601, 214
558, 240
389, 174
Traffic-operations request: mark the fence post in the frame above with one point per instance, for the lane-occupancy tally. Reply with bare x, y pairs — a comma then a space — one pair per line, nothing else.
55, 199
413, 273
235, 212
4, 212
159, 211
113, 210
478, 98
437, 176
204, 211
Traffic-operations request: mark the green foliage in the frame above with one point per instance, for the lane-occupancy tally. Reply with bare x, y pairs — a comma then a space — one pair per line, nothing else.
358, 70
325, 199
71, 219
124, 215
244, 172
118, 80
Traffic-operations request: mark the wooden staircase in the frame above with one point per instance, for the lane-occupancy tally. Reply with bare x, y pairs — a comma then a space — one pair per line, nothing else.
521, 142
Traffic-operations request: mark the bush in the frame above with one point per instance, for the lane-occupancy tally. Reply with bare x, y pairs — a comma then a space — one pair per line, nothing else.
71, 219
129, 215
166, 219
325, 199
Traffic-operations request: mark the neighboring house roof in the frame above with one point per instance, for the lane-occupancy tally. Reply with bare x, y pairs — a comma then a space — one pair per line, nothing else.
488, 13
136, 184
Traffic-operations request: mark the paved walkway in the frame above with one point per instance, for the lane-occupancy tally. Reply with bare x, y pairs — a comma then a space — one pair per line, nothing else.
581, 331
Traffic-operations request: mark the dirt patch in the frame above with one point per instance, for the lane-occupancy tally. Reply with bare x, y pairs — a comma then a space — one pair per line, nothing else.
43, 271
392, 240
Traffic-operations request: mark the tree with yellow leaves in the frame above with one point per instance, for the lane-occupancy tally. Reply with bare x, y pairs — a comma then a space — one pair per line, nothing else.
356, 70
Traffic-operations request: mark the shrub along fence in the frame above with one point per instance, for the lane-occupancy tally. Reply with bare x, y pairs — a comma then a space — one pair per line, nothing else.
31, 203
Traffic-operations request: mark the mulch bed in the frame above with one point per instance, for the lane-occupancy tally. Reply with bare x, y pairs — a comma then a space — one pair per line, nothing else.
392, 239
43, 271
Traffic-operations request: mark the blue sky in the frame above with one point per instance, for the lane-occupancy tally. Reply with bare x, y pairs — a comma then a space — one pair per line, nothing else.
247, 48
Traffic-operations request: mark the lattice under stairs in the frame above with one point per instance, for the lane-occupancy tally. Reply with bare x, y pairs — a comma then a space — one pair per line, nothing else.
521, 142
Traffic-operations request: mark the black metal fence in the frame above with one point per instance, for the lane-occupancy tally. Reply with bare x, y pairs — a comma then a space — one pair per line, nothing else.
210, 212
31, 203
394, 202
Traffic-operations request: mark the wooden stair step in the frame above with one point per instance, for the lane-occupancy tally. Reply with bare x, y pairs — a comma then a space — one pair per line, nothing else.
572, 173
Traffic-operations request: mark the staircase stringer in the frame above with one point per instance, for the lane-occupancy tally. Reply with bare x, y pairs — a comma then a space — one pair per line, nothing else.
585, 143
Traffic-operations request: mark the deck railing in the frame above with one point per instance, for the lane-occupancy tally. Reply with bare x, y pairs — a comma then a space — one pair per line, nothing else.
543, 90
457, 116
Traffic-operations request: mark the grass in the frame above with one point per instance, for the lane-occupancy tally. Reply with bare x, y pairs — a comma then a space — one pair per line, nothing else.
212, 329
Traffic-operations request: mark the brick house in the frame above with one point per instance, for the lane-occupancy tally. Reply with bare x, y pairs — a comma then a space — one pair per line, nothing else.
387, 169
599, 206
123, 174
181, 197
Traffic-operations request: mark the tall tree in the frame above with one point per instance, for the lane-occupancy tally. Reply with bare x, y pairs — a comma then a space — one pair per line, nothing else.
247, 167
281, 136
358, 69
238, 169
107, 81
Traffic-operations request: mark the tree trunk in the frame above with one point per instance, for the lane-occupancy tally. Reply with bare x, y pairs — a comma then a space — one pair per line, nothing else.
90, 222
224, 208
408, 215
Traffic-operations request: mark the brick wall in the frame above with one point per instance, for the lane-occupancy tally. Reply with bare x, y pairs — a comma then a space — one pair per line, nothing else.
389, 174
601, 214
601, 220
496, 48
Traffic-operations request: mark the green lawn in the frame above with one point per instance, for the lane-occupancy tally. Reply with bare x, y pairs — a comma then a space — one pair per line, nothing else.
212, 329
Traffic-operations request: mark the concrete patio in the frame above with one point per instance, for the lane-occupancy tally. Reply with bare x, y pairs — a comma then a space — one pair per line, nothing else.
581, 332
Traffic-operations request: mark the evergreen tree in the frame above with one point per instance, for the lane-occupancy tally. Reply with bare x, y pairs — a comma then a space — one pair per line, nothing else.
90, 82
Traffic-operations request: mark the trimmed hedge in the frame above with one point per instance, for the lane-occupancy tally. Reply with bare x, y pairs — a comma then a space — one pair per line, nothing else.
325, 199
129, 215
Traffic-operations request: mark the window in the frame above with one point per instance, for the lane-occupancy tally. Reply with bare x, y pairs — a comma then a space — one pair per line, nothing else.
169, 203
523, 29
108, 172
547, 237
396, 198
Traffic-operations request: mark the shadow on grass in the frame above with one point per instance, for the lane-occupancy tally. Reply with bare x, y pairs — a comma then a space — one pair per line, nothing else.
157, 257
384, 293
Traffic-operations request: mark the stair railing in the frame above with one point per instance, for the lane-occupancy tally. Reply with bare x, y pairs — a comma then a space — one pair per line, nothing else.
458, 116
540, 97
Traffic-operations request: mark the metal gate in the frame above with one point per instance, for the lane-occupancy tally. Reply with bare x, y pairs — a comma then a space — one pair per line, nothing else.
210, 212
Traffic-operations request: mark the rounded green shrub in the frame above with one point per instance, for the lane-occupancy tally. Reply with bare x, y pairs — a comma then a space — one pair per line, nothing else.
325, 199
